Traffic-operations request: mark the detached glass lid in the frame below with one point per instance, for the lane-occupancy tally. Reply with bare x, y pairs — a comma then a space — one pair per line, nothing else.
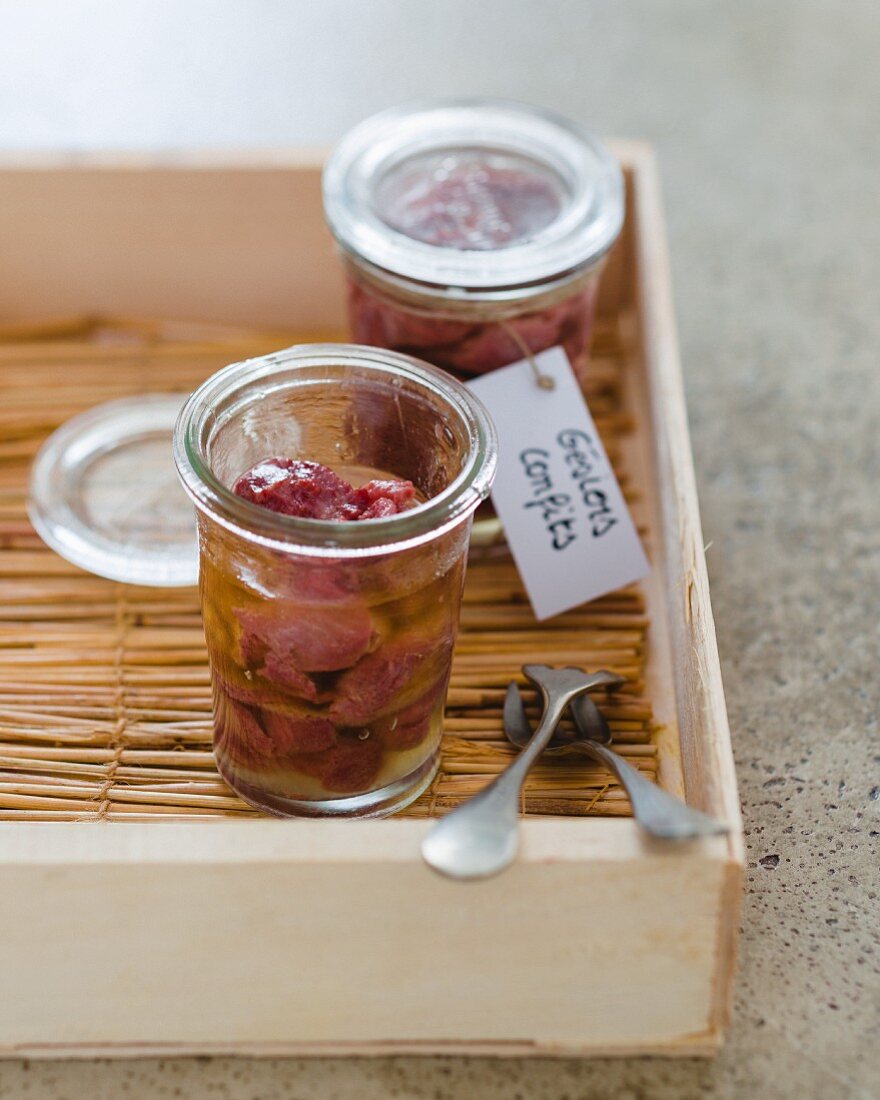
105, 495
474, 193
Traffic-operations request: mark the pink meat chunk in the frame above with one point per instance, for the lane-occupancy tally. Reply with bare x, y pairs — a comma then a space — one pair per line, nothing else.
413, 723
474, 205
493, 346
239, 733
347, 767
468, 348
379, 679
294, 488
374, 322
399, 738
298, 733
290, 640
280, 671
309, 490
382, 498
254, 693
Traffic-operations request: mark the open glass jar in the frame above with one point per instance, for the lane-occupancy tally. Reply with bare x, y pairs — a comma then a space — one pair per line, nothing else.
473, 231
330, 642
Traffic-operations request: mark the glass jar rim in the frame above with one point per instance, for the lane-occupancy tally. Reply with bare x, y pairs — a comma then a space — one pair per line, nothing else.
318, 537
587, 225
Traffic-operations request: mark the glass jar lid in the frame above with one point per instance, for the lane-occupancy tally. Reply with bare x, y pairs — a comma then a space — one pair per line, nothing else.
476, 194
105, 495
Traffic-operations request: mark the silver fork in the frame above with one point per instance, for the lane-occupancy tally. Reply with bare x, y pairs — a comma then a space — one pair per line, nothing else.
657, 812
480, 838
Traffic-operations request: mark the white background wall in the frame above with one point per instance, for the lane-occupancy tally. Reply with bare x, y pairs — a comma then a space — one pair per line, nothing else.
136, 74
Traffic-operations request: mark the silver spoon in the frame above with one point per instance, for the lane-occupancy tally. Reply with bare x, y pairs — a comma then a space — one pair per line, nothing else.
481, 837
658, 813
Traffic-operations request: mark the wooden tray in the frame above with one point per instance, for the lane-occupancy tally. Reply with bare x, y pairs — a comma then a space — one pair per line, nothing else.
317, 937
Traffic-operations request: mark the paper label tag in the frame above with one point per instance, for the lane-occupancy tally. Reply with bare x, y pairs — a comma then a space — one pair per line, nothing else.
567, 524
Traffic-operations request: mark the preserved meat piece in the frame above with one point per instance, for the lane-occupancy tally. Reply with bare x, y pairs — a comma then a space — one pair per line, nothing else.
304, 638
469, 349
239, 734
295, 733
349, 766
312, 491
281, 672
371, 686
469, 204
382, 498
411, 725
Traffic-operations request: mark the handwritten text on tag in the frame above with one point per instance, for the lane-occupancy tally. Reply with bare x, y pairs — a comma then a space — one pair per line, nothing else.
565, 518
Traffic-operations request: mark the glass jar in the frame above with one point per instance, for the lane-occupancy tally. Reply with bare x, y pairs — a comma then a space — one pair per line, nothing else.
473, 231
330, 642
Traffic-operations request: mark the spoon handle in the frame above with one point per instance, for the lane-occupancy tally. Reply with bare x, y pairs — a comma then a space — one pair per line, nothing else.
657, 812
481, 837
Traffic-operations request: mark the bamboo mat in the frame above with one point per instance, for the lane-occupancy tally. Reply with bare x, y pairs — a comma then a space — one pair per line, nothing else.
105, 703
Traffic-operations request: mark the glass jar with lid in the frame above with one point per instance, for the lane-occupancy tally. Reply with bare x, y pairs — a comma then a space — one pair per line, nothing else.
473, 231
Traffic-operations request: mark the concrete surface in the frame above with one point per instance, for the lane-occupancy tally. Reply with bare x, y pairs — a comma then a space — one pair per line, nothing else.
766, 117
